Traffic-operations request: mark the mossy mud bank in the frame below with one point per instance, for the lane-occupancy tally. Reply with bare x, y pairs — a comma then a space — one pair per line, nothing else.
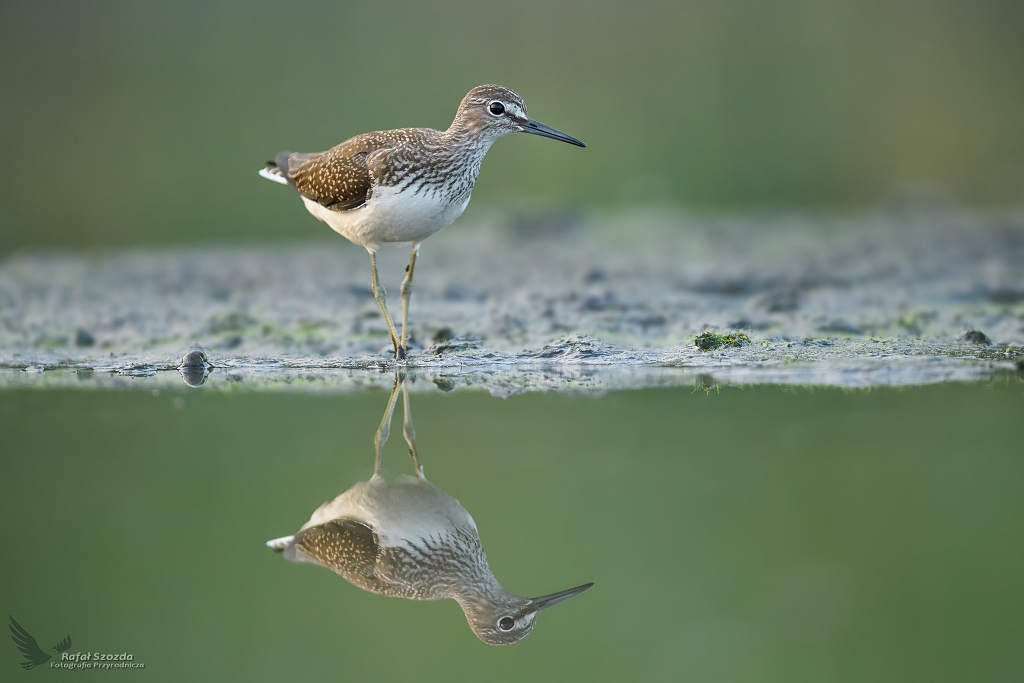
631, 299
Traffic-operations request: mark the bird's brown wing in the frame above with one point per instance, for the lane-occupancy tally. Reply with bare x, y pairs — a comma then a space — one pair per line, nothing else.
342, 177
346, 547
334, 179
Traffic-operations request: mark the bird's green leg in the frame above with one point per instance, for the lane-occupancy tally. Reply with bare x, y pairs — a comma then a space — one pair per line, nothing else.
407, 294
381, 437
382, 300
409, 432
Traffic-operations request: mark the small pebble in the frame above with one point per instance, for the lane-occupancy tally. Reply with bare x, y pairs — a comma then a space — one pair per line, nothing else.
83, 338
976, 337
194, 359
194, 368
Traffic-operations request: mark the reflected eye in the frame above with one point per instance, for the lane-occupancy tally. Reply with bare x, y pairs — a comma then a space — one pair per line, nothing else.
506, 623
497, 108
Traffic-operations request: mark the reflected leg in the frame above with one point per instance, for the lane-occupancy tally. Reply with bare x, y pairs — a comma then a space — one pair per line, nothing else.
381, 437
409, 432
407, 294
382, 300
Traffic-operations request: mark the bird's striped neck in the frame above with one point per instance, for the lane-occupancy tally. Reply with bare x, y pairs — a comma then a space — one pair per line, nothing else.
451, 167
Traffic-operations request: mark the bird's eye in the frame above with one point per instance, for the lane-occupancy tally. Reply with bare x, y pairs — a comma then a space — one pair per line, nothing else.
497, 108
505, 623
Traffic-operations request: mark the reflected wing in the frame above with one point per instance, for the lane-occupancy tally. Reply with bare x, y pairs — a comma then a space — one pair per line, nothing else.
64, 645
344, 546
27, 646
334, 179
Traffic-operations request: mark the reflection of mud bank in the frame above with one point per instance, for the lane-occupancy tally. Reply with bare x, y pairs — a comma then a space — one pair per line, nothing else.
879, 299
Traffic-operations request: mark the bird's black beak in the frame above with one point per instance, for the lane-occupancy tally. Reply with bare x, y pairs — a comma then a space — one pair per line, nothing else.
546, 601
538, 128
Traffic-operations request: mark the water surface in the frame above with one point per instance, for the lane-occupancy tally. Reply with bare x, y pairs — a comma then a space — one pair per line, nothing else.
759, 533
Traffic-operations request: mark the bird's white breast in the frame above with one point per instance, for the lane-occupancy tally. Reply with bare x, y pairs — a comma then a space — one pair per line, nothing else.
399, 513
410, 215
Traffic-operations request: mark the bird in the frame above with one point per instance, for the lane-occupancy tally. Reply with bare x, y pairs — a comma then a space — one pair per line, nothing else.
27, 645
409, 539
404, 185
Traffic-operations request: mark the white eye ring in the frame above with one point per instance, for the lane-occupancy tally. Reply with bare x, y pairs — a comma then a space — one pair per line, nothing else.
496, 108
506, 623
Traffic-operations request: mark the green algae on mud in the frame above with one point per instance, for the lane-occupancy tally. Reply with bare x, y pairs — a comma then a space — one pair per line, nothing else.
706, 341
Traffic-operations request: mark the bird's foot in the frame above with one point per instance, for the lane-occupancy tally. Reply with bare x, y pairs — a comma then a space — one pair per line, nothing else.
400, 353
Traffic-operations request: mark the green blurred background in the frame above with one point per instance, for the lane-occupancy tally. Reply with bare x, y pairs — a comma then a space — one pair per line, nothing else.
145, 122
755, 534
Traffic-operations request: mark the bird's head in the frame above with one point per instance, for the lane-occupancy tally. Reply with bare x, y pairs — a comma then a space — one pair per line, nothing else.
505, 618
494, 111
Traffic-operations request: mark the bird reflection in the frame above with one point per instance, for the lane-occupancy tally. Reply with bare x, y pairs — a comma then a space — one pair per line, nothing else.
409, 539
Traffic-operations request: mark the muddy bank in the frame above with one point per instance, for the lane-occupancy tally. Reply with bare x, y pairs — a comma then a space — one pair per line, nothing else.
884, 298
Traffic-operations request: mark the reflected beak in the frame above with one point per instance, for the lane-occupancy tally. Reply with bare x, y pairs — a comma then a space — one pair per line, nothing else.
548, 600
538, 128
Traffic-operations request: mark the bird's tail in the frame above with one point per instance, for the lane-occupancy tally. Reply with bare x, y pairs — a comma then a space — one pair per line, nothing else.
280, 168
273, 172
278, 545
290, 548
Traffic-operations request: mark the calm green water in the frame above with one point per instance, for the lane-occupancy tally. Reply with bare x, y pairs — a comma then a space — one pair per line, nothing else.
754, 534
